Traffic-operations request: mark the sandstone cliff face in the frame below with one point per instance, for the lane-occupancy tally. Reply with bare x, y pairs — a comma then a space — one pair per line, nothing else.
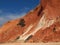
39, 25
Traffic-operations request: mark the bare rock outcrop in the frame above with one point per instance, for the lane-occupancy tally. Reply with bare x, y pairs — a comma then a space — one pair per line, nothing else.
41, 24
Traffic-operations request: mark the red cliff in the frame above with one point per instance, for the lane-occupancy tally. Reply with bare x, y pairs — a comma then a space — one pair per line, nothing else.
41, 24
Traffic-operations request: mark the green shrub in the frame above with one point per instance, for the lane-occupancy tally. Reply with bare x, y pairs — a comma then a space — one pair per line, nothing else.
21, 23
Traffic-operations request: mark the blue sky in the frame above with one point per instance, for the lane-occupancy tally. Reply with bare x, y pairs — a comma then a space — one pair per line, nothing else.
12, 9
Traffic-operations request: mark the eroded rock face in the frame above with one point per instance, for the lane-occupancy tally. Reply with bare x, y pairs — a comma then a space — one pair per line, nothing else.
53, 3
41, 24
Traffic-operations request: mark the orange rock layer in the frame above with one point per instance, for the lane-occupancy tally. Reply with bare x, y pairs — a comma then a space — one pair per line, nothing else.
39, 25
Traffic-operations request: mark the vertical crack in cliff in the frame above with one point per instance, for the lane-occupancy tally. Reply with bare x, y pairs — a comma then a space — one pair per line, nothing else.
40, 11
